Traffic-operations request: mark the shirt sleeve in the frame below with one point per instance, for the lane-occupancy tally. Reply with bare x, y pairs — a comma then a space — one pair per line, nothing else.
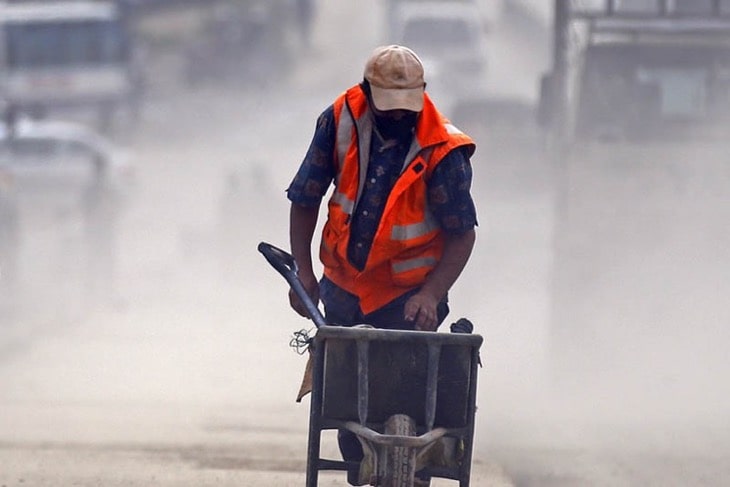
449, 193
317, 170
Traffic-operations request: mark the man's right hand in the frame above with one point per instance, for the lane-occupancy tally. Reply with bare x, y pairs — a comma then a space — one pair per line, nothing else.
312, 287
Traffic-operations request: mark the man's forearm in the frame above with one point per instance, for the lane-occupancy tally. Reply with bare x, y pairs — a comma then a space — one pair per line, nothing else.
457, 250
302, 223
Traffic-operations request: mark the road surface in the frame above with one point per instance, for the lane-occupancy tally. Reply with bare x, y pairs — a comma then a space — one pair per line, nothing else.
184, 375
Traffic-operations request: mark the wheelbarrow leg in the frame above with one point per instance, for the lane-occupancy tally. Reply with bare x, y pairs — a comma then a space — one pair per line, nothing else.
465, 475
313, 456
315, 417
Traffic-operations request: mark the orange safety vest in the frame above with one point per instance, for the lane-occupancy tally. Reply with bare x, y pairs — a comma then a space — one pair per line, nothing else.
408, 243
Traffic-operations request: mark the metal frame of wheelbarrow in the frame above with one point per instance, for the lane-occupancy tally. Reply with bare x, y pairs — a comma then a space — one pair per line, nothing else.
349, 374
333, 408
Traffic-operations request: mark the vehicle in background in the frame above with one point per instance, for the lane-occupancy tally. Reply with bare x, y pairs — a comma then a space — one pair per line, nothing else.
490, 11
68, 54
638, 109
510, 118
451, 39
651, 69
250, 43
62, 190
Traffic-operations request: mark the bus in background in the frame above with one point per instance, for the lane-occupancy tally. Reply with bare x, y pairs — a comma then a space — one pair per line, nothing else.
68, 54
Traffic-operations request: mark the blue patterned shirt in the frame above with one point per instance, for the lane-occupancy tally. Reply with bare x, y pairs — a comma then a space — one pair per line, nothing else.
449, 194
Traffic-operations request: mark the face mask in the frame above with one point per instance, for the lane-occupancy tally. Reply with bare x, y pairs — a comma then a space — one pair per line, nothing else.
400, 129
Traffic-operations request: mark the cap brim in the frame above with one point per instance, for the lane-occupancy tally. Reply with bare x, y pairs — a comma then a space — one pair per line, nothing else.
397, 98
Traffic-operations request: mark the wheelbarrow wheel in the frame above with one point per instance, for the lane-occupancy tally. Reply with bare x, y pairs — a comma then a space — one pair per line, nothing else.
400, 462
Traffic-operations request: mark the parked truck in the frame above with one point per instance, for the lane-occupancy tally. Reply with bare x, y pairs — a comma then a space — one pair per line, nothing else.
636, 112
68, 54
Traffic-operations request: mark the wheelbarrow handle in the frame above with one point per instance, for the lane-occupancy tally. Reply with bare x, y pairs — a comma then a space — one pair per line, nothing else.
285, 264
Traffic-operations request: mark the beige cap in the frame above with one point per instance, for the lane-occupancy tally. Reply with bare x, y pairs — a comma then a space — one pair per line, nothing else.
396, 80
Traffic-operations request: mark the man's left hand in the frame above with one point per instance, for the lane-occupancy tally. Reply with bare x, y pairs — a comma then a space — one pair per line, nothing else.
421, 309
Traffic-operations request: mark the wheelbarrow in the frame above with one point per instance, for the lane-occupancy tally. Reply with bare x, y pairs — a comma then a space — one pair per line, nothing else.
408, 396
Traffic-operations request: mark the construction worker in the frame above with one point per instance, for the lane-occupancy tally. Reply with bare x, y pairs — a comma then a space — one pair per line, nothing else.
401, 220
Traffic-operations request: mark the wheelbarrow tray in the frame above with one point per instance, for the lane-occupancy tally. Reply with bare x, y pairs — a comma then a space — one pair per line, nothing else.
367, 375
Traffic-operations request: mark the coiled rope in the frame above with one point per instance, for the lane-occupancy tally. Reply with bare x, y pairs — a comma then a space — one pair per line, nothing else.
301, 341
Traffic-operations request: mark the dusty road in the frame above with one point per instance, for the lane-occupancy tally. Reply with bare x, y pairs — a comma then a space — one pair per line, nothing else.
184, 376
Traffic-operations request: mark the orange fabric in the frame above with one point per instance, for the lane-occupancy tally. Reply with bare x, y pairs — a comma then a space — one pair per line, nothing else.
401, 257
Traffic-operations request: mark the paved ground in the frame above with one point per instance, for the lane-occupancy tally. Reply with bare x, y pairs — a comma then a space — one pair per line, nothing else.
184, 376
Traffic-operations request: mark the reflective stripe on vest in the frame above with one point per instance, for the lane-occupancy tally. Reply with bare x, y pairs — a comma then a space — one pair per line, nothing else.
346, 203
364, 129
415, 230
410, 264
344, 136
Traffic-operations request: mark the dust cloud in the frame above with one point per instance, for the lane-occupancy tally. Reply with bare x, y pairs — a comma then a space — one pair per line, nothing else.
619, 346
603, 308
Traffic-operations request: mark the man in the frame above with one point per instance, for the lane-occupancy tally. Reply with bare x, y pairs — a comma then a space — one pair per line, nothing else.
400, 222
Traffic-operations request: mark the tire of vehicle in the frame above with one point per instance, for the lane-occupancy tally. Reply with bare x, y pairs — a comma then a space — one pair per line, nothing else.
400, 462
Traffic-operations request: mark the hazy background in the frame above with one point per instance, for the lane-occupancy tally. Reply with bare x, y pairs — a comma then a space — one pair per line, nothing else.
195, 325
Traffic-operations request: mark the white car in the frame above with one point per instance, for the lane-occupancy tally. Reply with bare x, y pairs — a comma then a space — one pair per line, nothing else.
62, 188
451, 40
62, 157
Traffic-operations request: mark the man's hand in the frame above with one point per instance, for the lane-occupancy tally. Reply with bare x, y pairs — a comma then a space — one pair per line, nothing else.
421, 309
312, 287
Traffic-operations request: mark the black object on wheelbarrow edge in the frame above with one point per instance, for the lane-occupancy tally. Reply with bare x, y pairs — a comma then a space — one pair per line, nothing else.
285, 264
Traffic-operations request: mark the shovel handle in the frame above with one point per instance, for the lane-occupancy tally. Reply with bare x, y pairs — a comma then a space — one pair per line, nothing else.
285, 264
